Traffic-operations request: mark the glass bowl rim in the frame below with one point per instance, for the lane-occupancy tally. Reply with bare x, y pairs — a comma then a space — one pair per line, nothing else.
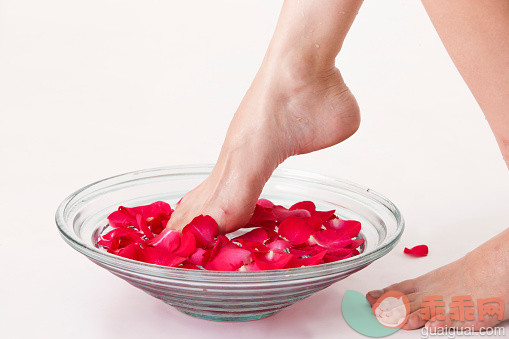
139, 267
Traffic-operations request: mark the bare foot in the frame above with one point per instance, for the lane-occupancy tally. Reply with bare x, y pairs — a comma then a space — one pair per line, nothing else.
482, 273
286, 111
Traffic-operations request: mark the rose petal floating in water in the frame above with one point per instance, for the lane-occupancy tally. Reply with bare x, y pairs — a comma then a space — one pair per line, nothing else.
279, 238
296, 230
204, 228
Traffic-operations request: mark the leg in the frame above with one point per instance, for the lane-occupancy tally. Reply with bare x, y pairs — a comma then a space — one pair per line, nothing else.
476, 35
297, 103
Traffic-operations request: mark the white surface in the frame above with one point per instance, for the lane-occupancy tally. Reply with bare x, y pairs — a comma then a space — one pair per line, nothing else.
95, 88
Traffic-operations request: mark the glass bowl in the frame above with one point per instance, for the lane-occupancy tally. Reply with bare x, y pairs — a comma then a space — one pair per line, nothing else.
228, 296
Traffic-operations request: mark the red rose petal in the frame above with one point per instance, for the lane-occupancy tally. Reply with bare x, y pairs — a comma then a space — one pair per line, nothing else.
356, 243
272, 260
304, 205
331, 258
261, 215
296, 230
157, 213
198, 257
311, 208
252, 246
325, 215
158, 256
131, 251
299, 252
315, 222
229, 258
204, 229
119, 238
122, 232
304, 237
156, 209
257, 235
279, 245
249, 267
330, 239
282, 213
121, 218
265, 203
340, 253
352, 227
152, 210
312, 260
168, 240
143, 226
187, 245
417, 251
157, 224
190, 266
221, 241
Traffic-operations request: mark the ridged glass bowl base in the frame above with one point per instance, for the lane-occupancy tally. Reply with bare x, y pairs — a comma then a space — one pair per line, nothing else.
228, 318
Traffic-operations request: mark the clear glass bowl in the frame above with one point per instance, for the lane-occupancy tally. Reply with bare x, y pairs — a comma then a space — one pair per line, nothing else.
228, 296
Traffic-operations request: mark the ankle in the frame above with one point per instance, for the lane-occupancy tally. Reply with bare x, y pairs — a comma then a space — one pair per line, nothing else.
291, 71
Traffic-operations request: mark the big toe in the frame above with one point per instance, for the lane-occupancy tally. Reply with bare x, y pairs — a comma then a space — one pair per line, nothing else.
182, 215
228, 217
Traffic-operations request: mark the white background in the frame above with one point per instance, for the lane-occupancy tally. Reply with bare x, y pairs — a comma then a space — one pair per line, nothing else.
90, 89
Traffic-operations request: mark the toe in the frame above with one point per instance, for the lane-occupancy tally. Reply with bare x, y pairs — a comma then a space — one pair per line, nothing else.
415, 300
372, 296
433, 325
406, 287
415, 321
180, 217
